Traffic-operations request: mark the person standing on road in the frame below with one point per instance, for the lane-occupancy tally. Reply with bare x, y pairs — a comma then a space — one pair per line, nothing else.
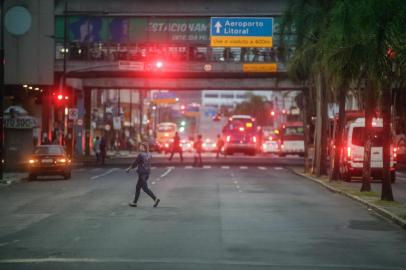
143, 165
96, 149
219, 145
198, 145
176, 147
103, 150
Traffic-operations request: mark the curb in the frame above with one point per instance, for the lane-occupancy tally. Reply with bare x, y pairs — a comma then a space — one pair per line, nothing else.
377, 209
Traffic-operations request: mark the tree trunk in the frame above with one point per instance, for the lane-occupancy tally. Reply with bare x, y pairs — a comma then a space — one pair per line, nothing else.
338, 149
321, 126
369, 113
306, 123
386, 194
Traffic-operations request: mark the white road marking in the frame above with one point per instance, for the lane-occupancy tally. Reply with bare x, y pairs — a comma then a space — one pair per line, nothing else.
168, 171
104, 174
95, 169
225, 167
262, 168
188, 167
237, 186
278, 168
243, 167
153, 182
235, 182
206, 167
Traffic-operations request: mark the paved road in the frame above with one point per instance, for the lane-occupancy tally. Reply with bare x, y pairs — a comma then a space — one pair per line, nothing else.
219, 217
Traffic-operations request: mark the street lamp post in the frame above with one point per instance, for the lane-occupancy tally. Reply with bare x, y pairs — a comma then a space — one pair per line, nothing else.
2, 89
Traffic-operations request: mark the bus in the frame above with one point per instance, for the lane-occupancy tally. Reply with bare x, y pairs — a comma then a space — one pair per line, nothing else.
291, 139
164, 135
242, 135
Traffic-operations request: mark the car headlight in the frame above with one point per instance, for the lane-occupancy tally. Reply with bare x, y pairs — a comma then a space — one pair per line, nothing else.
32, 161
62, 160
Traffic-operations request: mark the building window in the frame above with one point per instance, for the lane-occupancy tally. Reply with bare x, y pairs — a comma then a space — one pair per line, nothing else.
211, 95
227, 95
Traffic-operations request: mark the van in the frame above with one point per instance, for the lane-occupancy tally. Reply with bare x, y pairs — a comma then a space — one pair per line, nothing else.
353, 151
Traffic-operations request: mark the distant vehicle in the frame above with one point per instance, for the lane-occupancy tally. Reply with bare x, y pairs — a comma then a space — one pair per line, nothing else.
271, 141
164, 135
353, 150
209, 145
242, 135
216, 118
49, 160
154, 145
187, 146
291, 140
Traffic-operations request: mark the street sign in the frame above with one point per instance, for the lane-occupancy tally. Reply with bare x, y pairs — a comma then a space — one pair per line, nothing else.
241, 32
164, 98
73, 113
117, 122
249, 67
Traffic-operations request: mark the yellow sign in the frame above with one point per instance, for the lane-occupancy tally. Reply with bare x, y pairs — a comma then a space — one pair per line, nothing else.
252, 42
259, 67
164, 101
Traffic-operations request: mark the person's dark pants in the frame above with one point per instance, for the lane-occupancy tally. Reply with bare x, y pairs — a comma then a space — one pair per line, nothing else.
198, 159
103, 157
98, 158
218, 153
176, 151
142, 184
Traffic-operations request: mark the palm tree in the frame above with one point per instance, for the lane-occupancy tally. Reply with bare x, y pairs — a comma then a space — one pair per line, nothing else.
310, 18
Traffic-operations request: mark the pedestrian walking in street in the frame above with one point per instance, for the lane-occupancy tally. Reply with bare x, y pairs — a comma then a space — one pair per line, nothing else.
143, 165
96, 149
198, 146
103, 150
219, 145
176, 147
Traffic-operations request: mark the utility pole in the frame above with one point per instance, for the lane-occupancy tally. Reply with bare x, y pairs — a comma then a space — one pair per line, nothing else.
2, 90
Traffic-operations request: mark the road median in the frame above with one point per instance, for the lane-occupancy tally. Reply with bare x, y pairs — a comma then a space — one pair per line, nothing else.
394, 211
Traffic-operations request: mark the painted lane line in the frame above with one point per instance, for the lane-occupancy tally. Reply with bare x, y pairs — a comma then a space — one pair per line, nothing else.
153, 182
104, 174
206, 167
262, 168
168, 171
278, 168
243, 167
188, 167
236, 182
95, 169
237, 186
225, 167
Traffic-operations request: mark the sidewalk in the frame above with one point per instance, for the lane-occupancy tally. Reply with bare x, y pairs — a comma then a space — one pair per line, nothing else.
395, 211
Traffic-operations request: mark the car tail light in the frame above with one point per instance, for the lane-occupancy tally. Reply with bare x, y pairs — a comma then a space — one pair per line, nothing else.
395, 152
254, 139
62, 160
349, 152
241, 129
282, 146
228, 138
166, 145
270, 138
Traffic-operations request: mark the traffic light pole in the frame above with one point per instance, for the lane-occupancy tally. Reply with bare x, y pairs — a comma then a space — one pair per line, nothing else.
2, 90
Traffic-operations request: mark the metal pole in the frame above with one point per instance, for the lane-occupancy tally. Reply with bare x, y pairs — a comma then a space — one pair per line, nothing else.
2, 90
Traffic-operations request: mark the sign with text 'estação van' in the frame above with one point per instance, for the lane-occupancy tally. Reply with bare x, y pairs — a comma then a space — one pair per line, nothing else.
241, 32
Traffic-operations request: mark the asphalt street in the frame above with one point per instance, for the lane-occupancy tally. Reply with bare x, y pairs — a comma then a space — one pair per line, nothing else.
215, 217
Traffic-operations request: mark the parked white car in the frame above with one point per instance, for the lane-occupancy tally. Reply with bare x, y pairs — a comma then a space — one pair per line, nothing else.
353, 151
